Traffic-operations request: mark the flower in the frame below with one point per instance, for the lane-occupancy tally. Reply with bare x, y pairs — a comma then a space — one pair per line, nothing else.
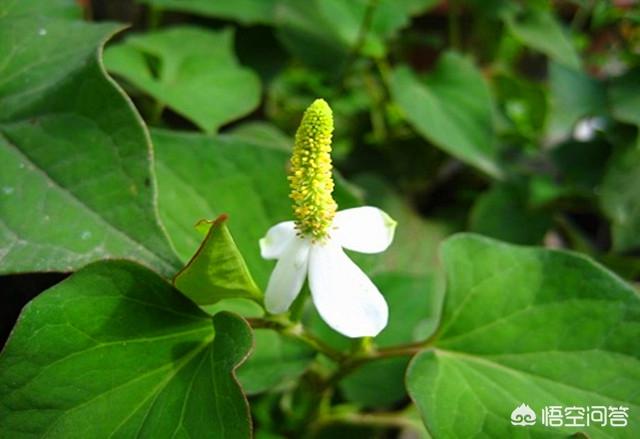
313, 245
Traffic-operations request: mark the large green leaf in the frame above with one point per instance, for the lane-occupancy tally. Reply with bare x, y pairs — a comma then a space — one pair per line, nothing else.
201, 80
75, 168
524, 325
114, 351
217, 270
539, 29
452, 108
203, 177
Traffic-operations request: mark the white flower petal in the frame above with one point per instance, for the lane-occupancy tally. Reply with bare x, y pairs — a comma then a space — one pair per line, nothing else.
363, 229
344, 296
277, 239
288, 276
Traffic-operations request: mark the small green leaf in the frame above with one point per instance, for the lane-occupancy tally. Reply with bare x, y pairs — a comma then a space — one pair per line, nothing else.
201, 80
217, 270
76, 183
451, 108
525, 325
115, 351
275, 360
539, 29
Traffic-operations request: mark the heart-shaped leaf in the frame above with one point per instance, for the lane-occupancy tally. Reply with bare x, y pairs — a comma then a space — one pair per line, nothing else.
201, 80
76, 180
115, 351
533, 326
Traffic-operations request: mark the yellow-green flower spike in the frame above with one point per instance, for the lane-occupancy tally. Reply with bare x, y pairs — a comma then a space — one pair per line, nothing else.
310, 180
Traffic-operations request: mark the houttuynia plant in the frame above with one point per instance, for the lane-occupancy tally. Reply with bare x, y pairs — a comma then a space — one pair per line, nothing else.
319, 219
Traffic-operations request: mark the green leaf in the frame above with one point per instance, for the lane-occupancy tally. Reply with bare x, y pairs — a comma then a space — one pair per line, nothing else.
620, 199
539, 29
202, 177
243, 11
120, 353
217, 270
75, 175
525, 325
53, 8
503, 212
451, 108
201, 80
275, 360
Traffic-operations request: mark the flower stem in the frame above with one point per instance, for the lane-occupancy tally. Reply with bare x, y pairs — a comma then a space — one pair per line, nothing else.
297, 331
363, 351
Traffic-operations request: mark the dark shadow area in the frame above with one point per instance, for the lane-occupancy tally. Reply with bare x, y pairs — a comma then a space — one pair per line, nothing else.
17, 291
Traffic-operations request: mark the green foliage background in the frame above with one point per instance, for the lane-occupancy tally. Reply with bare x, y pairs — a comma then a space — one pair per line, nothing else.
512, 125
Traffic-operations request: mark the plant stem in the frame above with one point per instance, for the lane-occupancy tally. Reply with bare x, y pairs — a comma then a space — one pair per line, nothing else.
154, 17
364, 351
361, 39
297, 331
352, 363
